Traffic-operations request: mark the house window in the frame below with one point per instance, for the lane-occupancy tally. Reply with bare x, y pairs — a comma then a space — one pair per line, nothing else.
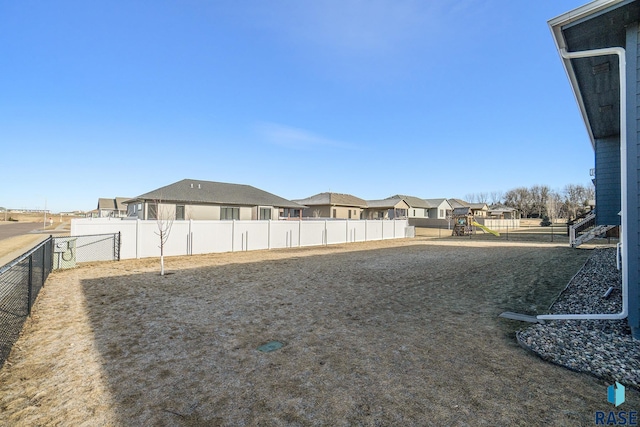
334, 213
290, 213
180, 212
152, 211
229, 213
349, 213
414, 212
441, 213
426, 213
265, 213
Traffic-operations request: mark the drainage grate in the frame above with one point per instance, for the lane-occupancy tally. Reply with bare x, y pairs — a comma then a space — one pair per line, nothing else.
270, 346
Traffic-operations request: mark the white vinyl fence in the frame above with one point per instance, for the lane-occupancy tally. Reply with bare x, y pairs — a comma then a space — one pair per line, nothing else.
139, 238
499, 224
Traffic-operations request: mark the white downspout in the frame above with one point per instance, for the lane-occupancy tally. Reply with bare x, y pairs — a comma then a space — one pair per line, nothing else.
623, 183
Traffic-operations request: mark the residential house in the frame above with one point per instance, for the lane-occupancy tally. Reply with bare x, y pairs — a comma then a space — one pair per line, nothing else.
208, 200
390, 208
436, 213
500, 211
479, 210
418, 208
439, 208
111, 208
333, 205
599, 47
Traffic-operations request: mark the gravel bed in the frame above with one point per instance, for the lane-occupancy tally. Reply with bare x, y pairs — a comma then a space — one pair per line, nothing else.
603, 348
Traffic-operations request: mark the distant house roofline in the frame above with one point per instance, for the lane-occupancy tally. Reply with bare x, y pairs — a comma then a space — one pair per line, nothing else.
192, 191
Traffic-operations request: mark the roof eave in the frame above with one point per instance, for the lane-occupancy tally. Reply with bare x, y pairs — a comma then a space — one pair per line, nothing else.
555, 25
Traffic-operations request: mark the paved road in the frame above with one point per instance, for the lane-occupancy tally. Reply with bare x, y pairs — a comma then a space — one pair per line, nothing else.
18, 229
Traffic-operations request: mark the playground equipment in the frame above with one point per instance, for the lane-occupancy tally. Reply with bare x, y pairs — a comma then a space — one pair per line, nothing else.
487, 229
464, 223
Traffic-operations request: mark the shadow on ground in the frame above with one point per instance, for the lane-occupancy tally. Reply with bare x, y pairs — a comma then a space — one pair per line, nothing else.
401, 336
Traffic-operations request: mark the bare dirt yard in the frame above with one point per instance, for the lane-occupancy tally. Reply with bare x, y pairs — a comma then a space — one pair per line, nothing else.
388, 333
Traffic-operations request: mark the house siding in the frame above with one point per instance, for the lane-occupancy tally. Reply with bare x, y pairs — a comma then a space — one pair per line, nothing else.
327, 212
633, 178
317, 212
607, 181
418, 212
202, 212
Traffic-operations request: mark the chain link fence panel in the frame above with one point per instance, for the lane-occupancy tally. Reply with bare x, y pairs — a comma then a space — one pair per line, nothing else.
20, 283
22, 279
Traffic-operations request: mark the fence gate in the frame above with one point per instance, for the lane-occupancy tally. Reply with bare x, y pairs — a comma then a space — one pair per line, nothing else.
22, 278
67, 251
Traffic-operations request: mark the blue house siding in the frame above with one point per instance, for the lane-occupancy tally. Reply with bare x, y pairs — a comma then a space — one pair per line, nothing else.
633, 178
608, 181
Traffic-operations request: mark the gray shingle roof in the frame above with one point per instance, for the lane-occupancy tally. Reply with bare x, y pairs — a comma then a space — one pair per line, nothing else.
388, 203
458, 203
436, 202
221, 193
476, 206
414, 202
104, 203
462, 211
119, 203
333, 199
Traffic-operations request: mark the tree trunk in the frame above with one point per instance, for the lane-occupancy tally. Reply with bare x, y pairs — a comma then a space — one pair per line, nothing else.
161, 254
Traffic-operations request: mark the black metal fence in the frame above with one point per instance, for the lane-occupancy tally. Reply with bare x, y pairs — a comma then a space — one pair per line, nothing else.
22, 279
68, 251
20, 284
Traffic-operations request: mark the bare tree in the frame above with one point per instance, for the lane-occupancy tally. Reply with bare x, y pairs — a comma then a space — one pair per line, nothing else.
539, 196
482, 197
164, 220
496, 197
554, 206
520, 199
576, 198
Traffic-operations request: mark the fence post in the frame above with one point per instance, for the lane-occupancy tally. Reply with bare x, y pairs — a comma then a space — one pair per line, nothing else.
30, 284
119, 244
50, 253
346, 231
138, 238
325, 233
44, 260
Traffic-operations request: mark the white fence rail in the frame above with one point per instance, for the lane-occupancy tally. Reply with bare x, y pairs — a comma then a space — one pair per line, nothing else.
499, 224
139, 238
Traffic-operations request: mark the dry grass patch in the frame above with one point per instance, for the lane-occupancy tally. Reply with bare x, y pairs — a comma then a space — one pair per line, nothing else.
380, 333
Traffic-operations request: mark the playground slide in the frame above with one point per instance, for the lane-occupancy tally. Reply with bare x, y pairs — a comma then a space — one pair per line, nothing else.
488, 230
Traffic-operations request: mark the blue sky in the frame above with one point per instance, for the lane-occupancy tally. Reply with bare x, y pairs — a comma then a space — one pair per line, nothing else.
371, 98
